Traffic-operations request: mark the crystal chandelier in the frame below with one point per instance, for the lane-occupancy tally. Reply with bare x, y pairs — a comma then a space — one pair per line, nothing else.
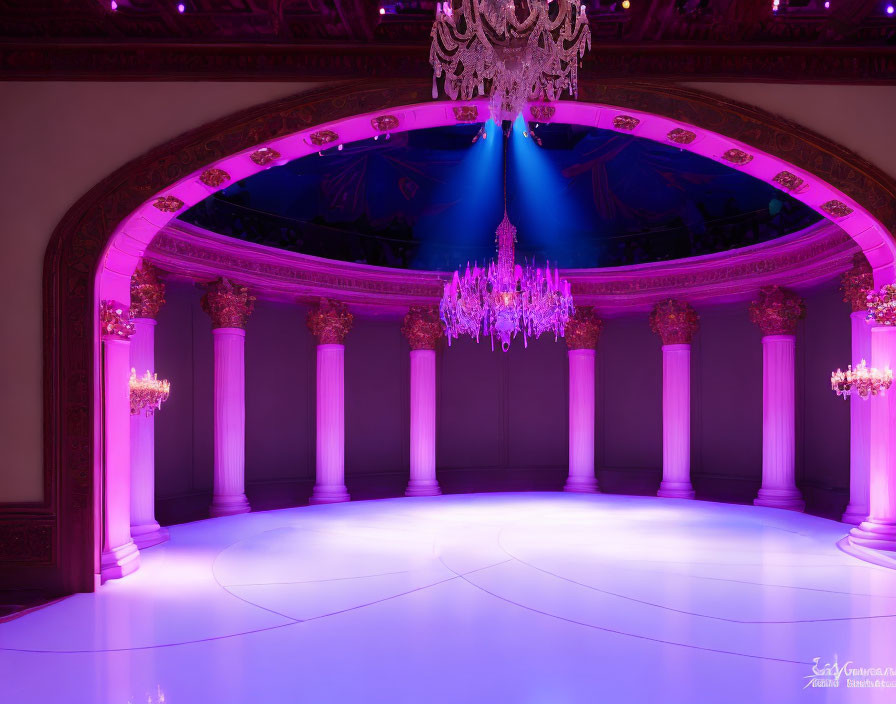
861, 381
148, 392
504, 298
512, 51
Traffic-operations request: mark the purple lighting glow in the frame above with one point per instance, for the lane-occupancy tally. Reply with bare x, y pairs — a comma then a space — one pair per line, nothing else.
889, 9
181, 8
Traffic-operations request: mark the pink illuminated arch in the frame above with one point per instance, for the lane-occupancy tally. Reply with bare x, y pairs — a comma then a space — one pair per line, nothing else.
98, 244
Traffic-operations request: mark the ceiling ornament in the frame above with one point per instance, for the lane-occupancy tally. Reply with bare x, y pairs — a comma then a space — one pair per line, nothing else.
264, 156
511, 51
168, 204
625, 122
836, 208
789, 182
322, 137
384, 123
681, 136
737, 156
542, 113
466, 113
214, 178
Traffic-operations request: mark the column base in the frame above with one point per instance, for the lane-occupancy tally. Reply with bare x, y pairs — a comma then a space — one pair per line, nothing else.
581, 485
119, 562
874, 534
675, 490
328, 494
855, 514
789, 499
229, 505
148, 534
423, 488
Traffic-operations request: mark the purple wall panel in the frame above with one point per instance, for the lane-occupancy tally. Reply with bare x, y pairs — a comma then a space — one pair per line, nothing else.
377, 398
726, 393
823, 433
629, 381
280, 359
537, 404
174, 361
471, 382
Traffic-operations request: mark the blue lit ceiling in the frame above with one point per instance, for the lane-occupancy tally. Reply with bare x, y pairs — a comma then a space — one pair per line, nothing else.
431, 199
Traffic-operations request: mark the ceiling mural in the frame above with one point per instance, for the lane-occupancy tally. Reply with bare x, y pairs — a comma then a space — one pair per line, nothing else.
431, 199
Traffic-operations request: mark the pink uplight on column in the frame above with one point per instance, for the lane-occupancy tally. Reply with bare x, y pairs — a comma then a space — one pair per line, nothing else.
878, 530
676, 322
423, 330
776, 312
582, 333
855, 283
147, 297
119, 556
229, 306
330, 321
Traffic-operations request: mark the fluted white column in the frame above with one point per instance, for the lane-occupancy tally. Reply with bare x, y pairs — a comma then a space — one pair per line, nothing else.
581, 421
119, 556
229, 306
145, 530
676, 322
777, 312
676, 481
778, 425
329, 322
879, 529
582, 334
859, 429
423, 425
330, 484
423, 330
230, 423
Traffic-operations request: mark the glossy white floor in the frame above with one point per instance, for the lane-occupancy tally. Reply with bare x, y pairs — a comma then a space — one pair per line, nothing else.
477, 598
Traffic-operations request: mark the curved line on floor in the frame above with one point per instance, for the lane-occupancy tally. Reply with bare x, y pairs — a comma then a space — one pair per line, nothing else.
314, 581
672, 609
618, 632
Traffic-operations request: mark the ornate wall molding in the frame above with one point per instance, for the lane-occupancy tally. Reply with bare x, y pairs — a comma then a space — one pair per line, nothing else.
818, 253
295, 62
76, 247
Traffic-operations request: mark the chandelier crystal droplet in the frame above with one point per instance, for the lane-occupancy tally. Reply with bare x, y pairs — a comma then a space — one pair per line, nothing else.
512, 51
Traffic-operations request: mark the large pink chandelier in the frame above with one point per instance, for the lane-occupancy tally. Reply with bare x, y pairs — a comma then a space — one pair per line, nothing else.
504, 299
861, 381
512, 51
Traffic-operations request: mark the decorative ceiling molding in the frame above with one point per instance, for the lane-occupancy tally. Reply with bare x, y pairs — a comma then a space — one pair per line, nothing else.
37, 61
803, 259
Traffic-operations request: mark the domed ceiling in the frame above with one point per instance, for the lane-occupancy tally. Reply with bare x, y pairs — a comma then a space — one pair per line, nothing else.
431, 199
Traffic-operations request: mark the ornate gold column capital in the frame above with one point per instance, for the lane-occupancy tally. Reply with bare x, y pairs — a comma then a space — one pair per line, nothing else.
329, 321
228, 304
422, 327
674, 321
115, 321
777, 310
583, 329
147, 292
856, 283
